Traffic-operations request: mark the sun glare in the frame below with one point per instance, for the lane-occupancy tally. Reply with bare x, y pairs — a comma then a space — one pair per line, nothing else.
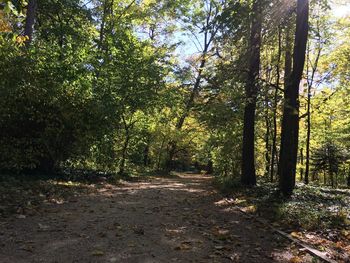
342, 10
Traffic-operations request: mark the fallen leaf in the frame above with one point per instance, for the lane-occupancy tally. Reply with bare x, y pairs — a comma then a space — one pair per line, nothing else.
43, 227
28, 248
184, 246
97, 252
295, 260
296, 235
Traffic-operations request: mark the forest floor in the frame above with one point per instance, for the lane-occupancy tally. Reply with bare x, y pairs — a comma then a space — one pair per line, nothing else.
178, 219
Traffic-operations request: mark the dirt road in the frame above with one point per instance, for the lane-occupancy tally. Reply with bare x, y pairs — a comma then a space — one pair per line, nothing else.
159, 220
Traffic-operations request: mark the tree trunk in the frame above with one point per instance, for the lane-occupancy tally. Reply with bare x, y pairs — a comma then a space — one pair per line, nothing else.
107, 11
127, 128
30, 21
210, 169
160, 151
308, 133
288, 58
290, 121
301, 164
169, 164
267, 136
124, 153
248, 176
275, 105
146, 159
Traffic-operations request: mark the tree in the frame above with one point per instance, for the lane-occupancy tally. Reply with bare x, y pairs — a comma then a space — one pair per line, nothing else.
328, 158
248, 176
290, 121
205, 19
30, 20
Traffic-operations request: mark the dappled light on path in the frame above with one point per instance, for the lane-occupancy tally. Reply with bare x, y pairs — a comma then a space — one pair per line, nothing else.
157, 220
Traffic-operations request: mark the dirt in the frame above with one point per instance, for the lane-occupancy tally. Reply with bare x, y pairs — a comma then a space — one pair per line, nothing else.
180, 219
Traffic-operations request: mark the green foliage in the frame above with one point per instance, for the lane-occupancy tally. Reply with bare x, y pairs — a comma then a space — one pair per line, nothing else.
102, 85
61, 102
329, 158
41, 113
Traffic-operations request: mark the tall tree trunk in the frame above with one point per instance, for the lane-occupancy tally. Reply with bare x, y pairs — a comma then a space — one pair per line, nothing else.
267, 122
267, 137
308, 136
301, 164
275, 105
30, 21
288, 58
290, 122
248, 176
308, 133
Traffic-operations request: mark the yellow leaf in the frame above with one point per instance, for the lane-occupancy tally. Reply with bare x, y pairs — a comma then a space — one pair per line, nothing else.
295, 259
97, 252
296, 234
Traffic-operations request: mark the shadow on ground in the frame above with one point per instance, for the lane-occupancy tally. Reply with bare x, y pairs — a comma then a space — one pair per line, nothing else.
179, 219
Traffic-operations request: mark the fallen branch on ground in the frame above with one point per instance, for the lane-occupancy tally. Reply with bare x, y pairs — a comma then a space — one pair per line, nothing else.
321, 255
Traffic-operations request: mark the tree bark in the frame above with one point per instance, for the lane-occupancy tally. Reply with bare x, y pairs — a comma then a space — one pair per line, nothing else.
128, 128
30, 21
248, 176
290, 121
302, 164
267, 137
275, 105
210, 168
146, 159
124, 153
308, 134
